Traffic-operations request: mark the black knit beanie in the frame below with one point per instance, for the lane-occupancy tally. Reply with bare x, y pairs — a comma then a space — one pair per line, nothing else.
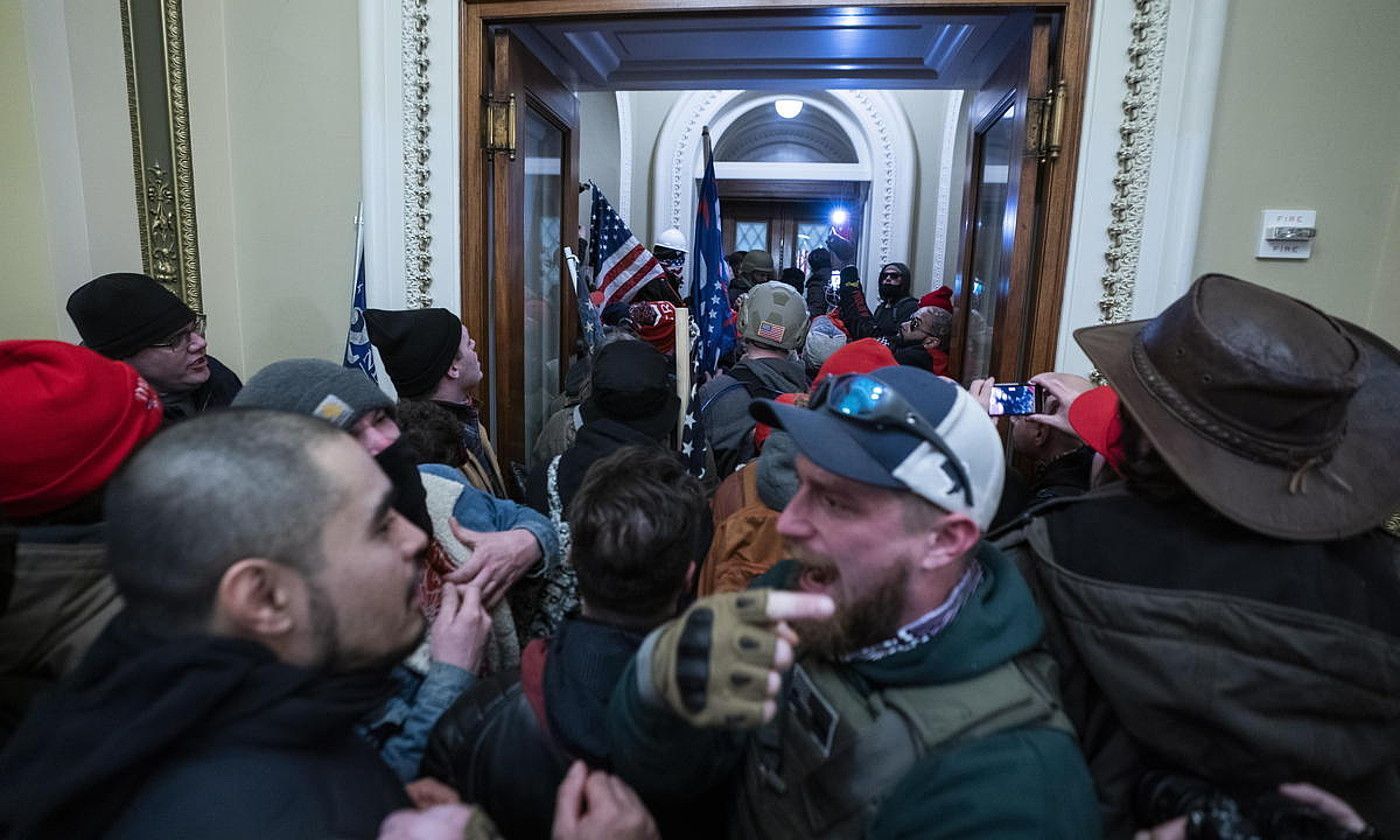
417, 345
118, 315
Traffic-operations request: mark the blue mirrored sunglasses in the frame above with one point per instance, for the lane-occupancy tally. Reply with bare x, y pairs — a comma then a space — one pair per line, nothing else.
871, 402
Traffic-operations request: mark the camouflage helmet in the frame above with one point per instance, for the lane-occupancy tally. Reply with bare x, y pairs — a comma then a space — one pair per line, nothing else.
774, 315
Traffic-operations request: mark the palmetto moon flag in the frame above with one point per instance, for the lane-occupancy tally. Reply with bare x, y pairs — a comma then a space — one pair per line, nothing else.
621, 264
359, 353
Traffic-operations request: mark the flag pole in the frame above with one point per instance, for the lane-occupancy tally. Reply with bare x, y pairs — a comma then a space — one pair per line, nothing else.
682, 368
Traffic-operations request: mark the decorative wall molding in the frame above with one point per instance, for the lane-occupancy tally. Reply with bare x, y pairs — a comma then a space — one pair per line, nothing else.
624, 150
951, 121
1137, 132
875, 123
417, 153
1143, 156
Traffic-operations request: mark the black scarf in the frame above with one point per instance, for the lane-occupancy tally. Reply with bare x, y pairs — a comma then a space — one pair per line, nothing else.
81, 756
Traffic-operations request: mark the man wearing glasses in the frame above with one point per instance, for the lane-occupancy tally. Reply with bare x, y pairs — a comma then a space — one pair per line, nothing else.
897, 688
134, 319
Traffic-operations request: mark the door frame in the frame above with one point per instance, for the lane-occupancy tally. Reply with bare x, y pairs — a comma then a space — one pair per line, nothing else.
1057, 189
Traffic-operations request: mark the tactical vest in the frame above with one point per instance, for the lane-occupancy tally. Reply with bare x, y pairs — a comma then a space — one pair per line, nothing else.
824, 765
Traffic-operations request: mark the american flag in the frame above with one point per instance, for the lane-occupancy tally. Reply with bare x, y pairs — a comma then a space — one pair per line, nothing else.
587, 313
712, 321
621, 264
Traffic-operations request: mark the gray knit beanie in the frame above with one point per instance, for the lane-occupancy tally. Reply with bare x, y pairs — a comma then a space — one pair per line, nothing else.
317, 387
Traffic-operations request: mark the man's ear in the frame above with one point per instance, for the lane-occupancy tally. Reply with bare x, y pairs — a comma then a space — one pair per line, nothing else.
259, 599
954, 537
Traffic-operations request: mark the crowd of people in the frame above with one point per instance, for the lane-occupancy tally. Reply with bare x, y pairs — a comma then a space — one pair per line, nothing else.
1167, 606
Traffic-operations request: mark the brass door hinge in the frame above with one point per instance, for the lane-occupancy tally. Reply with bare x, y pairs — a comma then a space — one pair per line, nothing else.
1045, 123
499, 126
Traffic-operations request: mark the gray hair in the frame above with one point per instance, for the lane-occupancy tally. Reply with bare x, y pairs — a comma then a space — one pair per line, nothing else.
207, 493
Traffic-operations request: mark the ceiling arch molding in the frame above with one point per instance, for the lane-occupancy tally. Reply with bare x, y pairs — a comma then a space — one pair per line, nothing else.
877, 127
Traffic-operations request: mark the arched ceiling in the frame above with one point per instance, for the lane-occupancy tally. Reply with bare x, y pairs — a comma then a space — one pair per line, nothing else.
762, 135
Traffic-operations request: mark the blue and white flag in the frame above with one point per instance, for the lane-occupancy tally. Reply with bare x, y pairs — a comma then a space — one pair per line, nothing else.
359, 353
712, 321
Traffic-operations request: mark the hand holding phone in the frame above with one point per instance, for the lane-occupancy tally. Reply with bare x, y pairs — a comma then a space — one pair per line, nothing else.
1015, 399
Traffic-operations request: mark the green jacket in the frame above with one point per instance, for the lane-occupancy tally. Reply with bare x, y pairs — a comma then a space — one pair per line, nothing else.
1028, 781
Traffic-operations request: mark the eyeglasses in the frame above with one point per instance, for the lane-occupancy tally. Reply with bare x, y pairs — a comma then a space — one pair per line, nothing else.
180, 339
871, 402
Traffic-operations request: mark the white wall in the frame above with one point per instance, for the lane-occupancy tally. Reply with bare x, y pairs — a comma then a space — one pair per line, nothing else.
1307, 117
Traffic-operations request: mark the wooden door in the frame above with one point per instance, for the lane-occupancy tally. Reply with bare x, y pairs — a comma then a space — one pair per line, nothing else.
998, 289
533, 215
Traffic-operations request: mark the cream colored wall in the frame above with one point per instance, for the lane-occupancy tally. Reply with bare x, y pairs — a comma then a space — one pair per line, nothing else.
25, 272
1307, 117
274, 113
275, 101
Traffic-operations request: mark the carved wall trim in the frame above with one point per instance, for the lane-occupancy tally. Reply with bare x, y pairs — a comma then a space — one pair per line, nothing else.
1137, 132
416, 153
951, 121
624, 150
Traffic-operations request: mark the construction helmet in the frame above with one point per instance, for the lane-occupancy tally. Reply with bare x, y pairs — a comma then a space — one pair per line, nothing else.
671, 238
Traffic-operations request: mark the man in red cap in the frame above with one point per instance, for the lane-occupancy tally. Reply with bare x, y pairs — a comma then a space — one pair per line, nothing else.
54, 464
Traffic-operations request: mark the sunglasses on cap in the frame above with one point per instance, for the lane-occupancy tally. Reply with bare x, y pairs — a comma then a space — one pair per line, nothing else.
867, 400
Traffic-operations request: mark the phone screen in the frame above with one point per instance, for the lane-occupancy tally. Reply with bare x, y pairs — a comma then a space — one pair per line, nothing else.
835, 278
1014, 398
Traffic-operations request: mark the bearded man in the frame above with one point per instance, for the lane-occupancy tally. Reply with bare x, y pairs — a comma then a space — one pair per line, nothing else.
919, 704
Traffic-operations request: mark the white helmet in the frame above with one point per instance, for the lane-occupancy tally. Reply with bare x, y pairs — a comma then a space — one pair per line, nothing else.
672, 238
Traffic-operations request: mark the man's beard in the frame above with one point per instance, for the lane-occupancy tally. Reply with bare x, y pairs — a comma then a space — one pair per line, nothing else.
333, 657
891, 291
873, 618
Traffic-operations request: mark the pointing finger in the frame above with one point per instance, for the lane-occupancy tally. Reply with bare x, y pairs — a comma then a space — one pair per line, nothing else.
789, 606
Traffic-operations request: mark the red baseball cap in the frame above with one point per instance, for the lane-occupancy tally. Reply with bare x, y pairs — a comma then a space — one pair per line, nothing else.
857, 357
1094, 417
73, 417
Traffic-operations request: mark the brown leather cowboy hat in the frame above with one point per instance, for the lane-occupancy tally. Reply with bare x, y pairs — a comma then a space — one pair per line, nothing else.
1275, 414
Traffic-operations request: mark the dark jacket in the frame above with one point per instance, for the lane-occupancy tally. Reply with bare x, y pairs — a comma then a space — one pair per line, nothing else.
1022, 782
57, 598
594, 441
196, 736
1189, 643
507, 743
217, 392
724, 404
861, 323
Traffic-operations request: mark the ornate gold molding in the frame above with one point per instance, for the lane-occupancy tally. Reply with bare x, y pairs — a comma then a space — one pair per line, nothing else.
1136, 137
153, 41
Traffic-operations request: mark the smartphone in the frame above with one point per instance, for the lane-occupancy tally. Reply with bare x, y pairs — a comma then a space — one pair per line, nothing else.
835, 282
1016, 398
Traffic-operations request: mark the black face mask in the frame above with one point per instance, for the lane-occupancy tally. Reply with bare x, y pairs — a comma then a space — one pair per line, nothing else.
891, 292
399, 461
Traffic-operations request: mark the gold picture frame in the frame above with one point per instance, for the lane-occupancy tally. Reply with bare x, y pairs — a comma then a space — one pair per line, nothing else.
154, 44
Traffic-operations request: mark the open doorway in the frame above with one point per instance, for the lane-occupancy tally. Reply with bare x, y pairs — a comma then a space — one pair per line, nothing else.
992, 214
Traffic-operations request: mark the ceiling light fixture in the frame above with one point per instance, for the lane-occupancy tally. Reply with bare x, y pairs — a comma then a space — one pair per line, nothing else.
788, 108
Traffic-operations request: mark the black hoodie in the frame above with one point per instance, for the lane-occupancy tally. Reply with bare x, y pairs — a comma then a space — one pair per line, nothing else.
196, 736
